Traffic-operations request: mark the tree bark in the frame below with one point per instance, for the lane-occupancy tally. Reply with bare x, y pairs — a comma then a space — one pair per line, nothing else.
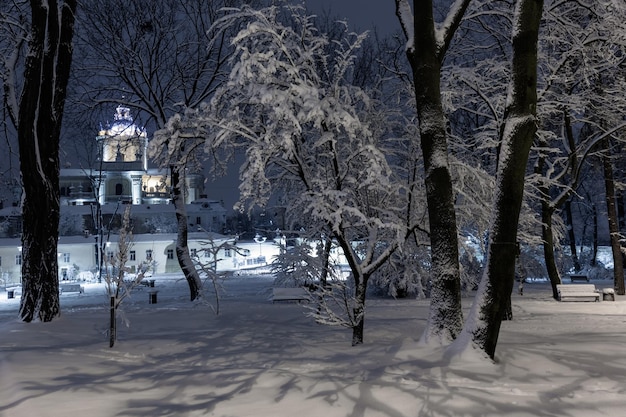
359, 310
325, 261
485, 319
445, 318
611, 209
547, 234
47, 68
594, 240
182, 248
571, 235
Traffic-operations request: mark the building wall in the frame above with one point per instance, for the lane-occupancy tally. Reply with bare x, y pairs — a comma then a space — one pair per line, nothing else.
77, 255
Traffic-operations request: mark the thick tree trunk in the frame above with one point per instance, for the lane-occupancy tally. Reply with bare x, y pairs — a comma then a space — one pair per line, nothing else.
485, 318
46, 75
611, 209
571, 235
359, 310
182, 248
445, 318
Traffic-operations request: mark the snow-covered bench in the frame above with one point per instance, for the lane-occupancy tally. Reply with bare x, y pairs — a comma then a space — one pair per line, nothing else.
578, 292
290, 294
578, 277
71, 288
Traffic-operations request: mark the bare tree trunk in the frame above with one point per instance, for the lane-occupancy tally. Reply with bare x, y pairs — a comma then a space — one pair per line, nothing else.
594, 240
182, 248
571, 235
446, 317
325, 261
611, 209
547, 235
46, 74
485, 319
359, 310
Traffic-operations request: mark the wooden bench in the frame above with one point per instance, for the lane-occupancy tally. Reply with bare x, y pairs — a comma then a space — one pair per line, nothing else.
71, 288
578, 277
130, 283
577, 292
290, 294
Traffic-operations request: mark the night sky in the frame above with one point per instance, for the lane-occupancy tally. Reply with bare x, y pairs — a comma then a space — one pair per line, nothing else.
361, 14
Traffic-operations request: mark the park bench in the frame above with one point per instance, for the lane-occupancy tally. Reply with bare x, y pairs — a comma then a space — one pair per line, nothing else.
63, 288
130, 283
290, 294
577, 292
578, 277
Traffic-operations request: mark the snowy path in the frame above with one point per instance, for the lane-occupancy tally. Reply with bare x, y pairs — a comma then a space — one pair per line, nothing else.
261, 359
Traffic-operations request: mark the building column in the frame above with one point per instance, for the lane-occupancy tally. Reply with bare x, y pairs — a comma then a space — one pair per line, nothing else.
136, 189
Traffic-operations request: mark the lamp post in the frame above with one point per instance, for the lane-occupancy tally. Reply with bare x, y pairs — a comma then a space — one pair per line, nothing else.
260, 239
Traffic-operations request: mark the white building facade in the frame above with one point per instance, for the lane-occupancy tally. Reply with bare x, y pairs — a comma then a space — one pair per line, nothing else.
122, 176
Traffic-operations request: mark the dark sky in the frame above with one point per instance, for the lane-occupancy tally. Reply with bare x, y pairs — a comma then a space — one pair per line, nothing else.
361, 14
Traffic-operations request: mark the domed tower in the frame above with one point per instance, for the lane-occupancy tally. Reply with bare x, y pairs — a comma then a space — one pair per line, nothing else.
123, 149
124, 141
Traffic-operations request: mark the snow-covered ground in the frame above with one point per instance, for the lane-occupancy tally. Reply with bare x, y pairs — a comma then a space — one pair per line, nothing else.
262, 359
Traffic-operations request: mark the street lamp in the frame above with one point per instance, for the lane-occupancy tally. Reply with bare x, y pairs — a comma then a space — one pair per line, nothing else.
260, 239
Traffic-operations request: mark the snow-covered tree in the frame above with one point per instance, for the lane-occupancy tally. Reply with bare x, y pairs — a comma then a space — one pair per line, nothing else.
305, 129
35, 101
152, 57
482, 327
426, 47
211, 249
118, 284
581, 48
297, 265
578, 44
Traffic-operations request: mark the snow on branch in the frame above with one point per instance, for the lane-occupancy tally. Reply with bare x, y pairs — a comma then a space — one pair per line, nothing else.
405, 15
446, 30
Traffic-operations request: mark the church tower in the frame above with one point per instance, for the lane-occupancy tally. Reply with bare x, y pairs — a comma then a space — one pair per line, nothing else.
123, 141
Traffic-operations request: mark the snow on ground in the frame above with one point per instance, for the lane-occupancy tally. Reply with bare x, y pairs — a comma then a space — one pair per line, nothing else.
262, 359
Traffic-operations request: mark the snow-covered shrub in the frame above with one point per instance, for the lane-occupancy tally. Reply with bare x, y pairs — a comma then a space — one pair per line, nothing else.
296, 266
403, 275
118, 283
207, 270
